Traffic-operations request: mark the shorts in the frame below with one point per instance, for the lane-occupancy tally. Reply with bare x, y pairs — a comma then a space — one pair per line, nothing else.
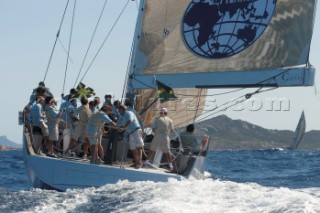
78, 132
135, 139
44, 129
162, 142
94, 138
54, 133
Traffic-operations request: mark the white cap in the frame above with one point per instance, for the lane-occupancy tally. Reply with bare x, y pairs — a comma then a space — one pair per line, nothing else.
163, 110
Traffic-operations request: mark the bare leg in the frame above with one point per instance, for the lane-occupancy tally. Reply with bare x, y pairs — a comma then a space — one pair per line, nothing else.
71, 145
139, 153
46, 142
86, 146
135, 156
50, 146
150, 155
94, 148
101, 151
169, 157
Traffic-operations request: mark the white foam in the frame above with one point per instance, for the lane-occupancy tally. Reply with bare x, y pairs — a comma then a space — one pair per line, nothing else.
176, 196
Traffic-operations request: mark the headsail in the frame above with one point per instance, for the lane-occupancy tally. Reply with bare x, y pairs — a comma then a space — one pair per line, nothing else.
299, 133
221, 43
261, 40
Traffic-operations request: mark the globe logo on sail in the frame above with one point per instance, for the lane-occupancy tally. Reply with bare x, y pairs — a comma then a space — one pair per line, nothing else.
216, 29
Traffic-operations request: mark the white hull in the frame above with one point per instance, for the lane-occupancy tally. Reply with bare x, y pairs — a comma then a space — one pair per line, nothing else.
62, 174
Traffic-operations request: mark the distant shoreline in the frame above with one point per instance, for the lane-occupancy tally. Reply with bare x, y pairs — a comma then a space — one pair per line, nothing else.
3, 148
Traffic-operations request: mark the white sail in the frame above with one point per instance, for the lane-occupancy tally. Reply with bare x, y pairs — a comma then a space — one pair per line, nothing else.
192, 45
299, 133
253, 37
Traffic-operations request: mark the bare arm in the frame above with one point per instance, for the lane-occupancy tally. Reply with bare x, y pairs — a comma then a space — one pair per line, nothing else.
127, 124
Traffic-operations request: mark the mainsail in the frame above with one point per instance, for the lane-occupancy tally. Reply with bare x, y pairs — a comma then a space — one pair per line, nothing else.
189, 44
299, 133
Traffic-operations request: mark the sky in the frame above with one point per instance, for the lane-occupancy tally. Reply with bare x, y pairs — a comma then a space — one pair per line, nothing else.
28, 31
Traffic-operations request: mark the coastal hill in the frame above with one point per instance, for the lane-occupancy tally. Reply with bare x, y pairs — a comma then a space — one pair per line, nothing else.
6, 143
226, 133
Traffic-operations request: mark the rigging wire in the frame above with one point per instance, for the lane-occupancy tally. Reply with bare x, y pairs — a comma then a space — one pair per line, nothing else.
223, 109
104, 41
92, 37
65, 50
198, 104
55, 42
187, 105
148, 86
216, 94
196, 96
232, 103
69, 46
185, 95
236, 101
126, 79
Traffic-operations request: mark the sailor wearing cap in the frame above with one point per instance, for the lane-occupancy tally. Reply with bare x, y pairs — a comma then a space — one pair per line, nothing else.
162, 126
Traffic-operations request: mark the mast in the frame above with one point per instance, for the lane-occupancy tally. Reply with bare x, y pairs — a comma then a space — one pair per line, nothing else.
129, 89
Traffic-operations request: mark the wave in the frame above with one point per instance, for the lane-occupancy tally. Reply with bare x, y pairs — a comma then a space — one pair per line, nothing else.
173, 196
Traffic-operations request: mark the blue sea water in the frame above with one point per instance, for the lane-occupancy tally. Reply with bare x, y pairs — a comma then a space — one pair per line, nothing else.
236, 181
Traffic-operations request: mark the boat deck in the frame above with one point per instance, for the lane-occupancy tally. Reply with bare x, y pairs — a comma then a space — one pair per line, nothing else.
117, 164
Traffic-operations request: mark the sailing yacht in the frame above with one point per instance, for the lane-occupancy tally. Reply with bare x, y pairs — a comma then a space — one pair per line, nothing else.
189, 47
299, 132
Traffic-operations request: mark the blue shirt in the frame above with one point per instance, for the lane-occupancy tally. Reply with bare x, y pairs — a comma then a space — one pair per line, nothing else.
64, 105
96, 121
36, 113
189, 140
52, 113
96, 109
129, 116
70, 112
115, 113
